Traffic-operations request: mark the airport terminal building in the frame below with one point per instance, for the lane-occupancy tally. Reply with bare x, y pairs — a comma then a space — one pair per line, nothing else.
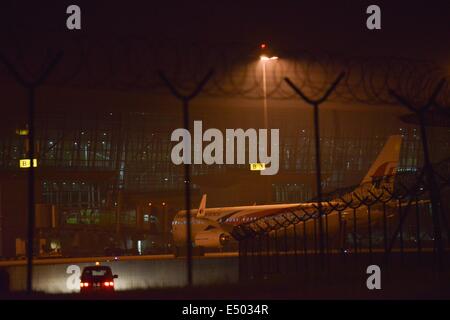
105, 178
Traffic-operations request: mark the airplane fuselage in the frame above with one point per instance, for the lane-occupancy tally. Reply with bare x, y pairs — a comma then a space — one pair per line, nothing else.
223, 219
212, 227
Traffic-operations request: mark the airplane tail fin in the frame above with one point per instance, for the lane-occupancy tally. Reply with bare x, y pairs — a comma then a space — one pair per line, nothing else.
201, 208
387, 161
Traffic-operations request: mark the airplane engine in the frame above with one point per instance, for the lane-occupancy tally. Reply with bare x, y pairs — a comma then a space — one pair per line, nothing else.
211, 239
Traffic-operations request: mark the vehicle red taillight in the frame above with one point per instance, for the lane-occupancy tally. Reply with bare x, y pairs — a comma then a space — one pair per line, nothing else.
108, 284
84, 284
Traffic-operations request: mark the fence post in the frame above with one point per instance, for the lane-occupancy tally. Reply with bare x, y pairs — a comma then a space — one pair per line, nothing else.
431, 181
315, 104
31, 87
185, 99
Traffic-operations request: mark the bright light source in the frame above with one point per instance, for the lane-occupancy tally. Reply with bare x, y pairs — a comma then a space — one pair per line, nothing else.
25, 163
265, 58
263, 45
22, 132
97, 263
139, 247
257, 166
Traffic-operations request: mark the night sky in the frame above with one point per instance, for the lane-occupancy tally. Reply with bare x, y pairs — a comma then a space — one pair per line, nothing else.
417, 29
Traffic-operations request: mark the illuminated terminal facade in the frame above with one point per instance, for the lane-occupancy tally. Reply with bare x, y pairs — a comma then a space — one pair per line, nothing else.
105, 181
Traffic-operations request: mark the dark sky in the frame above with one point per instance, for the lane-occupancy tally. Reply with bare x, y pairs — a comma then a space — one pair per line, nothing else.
418, 29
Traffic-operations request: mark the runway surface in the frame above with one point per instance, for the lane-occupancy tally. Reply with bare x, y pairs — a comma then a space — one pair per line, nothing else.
61, 275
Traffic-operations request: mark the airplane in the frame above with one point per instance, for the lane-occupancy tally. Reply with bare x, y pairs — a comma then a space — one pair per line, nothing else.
212, 227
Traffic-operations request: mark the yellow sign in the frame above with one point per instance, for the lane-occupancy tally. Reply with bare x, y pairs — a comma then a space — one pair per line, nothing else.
22, 132
257, 166
25, 163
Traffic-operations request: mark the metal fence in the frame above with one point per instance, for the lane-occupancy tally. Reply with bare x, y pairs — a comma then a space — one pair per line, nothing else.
392, 216
386, 222
262, 238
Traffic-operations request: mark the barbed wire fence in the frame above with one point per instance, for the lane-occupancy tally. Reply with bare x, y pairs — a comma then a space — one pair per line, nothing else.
185, 99
375, 221
364, 209
132, 64
31, 86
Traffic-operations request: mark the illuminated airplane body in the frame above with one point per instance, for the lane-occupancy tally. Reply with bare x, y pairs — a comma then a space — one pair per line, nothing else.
212, 227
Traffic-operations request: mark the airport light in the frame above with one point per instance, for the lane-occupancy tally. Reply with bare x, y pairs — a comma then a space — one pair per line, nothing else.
266, 58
